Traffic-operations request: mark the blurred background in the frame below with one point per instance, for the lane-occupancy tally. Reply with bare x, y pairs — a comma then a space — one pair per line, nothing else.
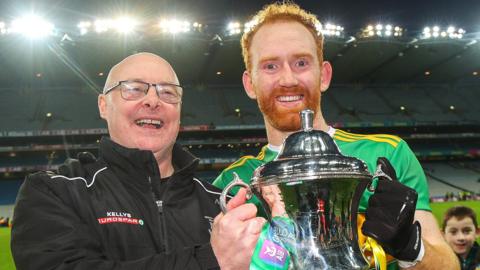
411, 69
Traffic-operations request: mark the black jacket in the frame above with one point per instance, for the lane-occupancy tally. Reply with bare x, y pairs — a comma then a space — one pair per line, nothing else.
113, 217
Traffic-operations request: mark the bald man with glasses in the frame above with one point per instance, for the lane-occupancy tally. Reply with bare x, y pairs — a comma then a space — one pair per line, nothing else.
138, 206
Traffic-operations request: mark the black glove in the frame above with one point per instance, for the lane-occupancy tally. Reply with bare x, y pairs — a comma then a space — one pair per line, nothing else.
389, 216
74, 167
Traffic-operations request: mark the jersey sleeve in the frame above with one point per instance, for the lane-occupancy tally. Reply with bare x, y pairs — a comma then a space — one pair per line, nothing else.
410, 172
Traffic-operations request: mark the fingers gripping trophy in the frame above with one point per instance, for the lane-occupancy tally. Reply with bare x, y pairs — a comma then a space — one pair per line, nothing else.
311, 193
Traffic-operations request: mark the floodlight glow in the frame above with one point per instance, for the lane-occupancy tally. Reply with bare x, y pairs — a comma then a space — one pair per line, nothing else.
102, 25
84, 27
438, 32
174, 26
381, 30
234, 28
332, 30
3, 29
32, 26
124, 24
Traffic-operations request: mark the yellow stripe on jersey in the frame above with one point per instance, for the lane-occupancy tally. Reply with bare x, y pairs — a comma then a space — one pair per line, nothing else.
244, 159
388, 136
351, 137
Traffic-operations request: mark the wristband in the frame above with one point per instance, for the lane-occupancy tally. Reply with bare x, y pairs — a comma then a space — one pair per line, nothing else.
407, 264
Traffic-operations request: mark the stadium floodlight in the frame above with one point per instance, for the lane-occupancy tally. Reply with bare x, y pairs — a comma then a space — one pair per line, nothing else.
234, 28
32, 26
197, 26
381, 30
3, 28
332, 30
438, 32
84, 27
124, 25
174, 26
102, 25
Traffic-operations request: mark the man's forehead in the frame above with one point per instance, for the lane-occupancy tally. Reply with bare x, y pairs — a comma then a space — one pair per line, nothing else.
147, 67
266, 40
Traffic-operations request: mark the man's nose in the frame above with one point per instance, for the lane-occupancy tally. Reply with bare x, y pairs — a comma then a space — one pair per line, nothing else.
288, 77
151, 99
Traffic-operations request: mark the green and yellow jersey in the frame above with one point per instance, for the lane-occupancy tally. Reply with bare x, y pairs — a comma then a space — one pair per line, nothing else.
365, 147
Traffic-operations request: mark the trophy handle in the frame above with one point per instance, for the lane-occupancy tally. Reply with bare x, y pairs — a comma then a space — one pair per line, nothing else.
237, 181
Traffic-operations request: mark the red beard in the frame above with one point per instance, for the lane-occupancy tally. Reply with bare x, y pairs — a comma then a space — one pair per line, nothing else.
287, 119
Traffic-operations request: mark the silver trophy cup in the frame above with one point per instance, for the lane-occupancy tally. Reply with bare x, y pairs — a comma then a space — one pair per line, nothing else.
317, 189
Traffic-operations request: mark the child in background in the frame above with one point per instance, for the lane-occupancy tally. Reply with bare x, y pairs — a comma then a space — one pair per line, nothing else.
460, 228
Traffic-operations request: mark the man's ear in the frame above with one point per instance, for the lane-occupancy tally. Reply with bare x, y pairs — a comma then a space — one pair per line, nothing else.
326, 75
102, 106
248, 85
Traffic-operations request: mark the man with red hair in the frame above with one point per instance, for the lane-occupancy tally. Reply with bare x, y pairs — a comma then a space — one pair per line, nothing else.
285, 73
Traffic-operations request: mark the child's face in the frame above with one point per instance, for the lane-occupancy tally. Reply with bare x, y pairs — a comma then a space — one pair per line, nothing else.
460, 235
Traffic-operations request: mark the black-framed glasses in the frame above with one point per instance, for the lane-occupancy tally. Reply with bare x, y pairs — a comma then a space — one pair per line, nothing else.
134, 90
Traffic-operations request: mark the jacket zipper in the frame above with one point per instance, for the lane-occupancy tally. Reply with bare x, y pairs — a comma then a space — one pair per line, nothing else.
163, 228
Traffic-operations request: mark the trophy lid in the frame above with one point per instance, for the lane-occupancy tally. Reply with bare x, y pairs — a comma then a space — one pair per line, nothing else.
308, 155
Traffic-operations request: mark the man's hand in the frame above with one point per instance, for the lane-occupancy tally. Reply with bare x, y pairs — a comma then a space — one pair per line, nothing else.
389, 216
235, 234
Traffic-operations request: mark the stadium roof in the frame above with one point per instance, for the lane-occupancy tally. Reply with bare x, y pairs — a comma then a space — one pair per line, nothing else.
212, 56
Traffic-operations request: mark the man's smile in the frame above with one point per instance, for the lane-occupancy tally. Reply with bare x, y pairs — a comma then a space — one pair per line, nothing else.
149, 123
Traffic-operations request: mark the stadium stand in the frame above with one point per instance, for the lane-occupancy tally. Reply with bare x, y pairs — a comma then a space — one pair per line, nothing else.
76, 108
446, 177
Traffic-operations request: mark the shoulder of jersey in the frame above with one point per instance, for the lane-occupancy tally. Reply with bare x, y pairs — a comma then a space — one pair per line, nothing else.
246, 159
379, 138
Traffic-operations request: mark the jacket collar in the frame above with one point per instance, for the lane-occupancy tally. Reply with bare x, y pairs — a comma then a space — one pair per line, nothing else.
141, 164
